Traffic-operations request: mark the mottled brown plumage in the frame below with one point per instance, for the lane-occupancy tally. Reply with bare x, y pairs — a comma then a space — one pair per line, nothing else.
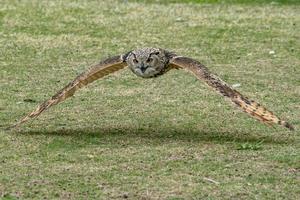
249, 106
153, 62
97, 71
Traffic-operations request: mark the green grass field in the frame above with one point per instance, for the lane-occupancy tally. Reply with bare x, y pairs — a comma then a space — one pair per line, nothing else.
172, 137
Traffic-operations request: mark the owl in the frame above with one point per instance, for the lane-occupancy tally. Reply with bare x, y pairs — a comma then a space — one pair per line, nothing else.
153, 62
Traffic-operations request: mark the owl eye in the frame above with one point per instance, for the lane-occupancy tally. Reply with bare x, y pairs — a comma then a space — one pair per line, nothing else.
135, 60
149, 60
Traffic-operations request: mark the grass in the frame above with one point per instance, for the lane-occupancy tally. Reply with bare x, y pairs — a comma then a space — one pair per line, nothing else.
249, 2
164, 138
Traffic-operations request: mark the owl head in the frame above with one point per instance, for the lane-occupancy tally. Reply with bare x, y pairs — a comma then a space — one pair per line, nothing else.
147, 62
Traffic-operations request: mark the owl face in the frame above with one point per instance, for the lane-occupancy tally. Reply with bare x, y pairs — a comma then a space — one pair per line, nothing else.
147, 62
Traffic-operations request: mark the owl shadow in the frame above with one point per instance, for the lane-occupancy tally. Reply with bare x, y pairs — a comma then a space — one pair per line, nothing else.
161, 135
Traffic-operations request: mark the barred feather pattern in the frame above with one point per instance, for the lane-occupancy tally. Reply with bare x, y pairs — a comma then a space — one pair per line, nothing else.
95, 72
165, 61
248, 106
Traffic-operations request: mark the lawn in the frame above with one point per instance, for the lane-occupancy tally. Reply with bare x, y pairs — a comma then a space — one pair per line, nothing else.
172, 137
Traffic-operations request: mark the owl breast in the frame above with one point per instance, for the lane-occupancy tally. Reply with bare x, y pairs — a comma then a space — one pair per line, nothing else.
147, 62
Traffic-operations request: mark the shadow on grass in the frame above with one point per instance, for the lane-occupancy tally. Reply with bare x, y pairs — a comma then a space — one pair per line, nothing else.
165, 134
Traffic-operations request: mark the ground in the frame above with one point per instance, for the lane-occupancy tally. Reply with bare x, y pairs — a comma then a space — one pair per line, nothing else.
165, 138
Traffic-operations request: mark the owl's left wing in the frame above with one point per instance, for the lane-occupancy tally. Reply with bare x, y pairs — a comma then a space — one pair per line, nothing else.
249, 106
97, 71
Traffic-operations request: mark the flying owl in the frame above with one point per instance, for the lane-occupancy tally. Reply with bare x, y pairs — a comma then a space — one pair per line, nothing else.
153, 62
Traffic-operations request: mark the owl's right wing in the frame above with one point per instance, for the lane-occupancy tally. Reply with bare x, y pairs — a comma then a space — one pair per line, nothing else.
97, 71
249, 106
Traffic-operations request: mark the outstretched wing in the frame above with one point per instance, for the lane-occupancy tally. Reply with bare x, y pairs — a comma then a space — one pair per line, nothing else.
97, 71
249, 106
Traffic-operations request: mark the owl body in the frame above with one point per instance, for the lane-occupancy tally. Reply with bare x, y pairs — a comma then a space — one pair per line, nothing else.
151, 62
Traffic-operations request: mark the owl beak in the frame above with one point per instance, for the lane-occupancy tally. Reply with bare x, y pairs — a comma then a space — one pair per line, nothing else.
143, 68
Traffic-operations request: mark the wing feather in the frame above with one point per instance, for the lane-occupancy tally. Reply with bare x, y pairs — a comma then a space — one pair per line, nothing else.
249, 106
95, 72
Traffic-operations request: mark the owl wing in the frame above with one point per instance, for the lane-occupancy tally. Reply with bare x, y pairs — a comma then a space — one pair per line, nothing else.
249, 106
95, 72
